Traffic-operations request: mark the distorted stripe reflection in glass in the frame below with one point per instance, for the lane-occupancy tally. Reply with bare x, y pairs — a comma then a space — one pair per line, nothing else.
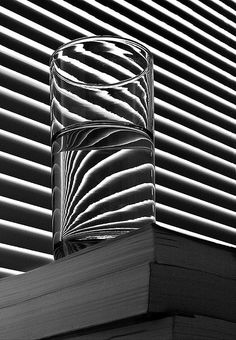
103, 171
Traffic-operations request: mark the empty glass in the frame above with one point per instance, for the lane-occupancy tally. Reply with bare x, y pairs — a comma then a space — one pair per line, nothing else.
102, 141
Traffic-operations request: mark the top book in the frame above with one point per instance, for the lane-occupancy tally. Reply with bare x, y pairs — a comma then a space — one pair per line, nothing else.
149, 271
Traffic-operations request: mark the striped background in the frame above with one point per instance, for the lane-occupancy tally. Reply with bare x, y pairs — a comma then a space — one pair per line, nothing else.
194, 47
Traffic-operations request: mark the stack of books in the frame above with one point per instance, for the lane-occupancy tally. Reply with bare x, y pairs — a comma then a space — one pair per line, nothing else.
149, 284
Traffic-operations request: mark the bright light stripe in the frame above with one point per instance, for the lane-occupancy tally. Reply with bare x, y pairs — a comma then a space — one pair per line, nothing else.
113, 213
191, 117
196, 167
200, 75
45, 169
216, 14
33, 25
141, 29
104, 94
100, 110
199, 136
27, 121
196, 235
30, 207
25, 79
26, 184
190, 216
24, 40
195, 87
20, 57
207, 122
66, 113
10, 271
225, 7
197, 16
30, 5
117, 195
24, 251
100, 74
196, 201
193, 149
27, 100
75, 27
180, 34
108, 227
160, 54
193, 183
26, 141
27, 229
103, 60
55, 17
102, 183
194, 102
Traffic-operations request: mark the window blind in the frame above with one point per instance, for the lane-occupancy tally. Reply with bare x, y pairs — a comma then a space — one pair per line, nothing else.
193, 43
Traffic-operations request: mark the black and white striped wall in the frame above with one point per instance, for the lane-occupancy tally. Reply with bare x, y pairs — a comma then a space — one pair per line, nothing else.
193, 43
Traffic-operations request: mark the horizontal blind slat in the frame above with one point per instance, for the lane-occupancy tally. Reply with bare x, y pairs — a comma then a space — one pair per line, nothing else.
25, 127
26, 237
50, 20
25, 148
24, 191
22, 84
219, 50
194, 171
24, 45
189, 120
196, 92
24, 65
25, 106
193, 154
227, 5
182, 101
144, 33
189, 204
194, 52
196, 139
217, 13
185, 16
30, 29
24, 169
22, 259
195, 189
218, 85
5, 272
24, 213
178, 218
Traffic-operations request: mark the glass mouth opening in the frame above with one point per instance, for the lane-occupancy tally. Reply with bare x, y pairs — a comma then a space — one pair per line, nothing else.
101, 61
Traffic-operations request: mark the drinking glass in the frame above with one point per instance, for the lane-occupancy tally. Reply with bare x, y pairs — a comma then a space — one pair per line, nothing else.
103, 169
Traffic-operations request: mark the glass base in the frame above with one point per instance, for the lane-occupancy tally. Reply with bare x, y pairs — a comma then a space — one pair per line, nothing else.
67, 247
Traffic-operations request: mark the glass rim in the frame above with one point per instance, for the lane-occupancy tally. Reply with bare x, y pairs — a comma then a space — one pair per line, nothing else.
113, 38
